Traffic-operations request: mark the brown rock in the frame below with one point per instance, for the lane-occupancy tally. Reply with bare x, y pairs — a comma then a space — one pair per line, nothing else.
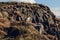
20, 20
4, 22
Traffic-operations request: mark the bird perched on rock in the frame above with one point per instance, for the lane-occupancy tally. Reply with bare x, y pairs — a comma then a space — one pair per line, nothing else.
28, 19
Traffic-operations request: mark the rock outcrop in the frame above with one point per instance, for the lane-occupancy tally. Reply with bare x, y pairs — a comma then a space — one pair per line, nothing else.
25, 21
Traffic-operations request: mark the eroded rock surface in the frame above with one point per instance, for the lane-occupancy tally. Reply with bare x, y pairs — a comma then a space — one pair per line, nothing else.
25, 21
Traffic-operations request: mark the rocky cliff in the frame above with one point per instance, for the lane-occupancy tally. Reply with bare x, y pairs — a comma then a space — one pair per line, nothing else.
25, 21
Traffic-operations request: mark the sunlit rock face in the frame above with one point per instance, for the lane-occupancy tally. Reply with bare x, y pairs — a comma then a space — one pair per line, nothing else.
26, 1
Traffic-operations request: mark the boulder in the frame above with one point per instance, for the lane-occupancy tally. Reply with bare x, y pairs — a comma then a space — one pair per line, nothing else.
25, 21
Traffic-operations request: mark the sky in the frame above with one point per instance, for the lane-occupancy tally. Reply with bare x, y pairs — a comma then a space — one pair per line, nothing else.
51, 3
54, 5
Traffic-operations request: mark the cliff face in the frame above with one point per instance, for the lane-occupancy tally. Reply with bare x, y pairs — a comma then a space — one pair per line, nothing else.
25, 21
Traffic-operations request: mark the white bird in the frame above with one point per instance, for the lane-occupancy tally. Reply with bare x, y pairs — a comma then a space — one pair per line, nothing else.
28, 20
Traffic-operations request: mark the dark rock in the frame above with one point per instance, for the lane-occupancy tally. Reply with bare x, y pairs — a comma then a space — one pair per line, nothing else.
18, 15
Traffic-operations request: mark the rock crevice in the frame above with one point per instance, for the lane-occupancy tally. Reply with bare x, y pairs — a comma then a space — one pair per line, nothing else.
25, 21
